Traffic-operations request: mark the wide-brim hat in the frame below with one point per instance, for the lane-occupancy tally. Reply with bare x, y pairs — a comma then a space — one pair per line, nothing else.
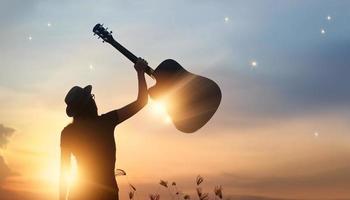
75, 98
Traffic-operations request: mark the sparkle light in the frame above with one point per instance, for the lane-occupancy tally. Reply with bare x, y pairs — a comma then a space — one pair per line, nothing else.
49, 24
329, 17
30, 38
91, 67
226, 19
323, 31
253, 64
316, 134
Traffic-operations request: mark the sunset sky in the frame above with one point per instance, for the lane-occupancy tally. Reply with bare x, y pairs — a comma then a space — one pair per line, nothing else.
282, 130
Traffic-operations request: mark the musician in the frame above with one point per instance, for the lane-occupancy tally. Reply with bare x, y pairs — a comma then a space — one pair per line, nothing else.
90, 138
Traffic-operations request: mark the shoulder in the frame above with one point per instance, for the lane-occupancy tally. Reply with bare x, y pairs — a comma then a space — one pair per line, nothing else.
65, 134
110, 117
67, 129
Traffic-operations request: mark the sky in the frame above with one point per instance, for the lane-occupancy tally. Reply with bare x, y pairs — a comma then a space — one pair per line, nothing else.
282, 129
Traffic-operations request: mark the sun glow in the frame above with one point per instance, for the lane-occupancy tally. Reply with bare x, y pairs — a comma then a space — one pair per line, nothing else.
159, 108
72, 174
167, 119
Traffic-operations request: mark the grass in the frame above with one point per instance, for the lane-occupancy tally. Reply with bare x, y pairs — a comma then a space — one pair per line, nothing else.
175, 194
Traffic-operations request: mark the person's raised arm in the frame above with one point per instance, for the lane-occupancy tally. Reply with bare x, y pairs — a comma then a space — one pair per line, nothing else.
131, 109
64, 173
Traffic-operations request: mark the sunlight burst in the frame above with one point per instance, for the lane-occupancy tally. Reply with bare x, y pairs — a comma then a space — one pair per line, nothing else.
159, 108
72, 174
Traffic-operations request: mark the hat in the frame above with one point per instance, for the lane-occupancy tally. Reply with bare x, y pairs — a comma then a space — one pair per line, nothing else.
75, 97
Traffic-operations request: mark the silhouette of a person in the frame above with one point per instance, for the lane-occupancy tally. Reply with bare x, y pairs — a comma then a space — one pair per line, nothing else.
90, 138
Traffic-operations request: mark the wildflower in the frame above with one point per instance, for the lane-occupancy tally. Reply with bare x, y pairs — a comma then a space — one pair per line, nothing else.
154, 196
163, 183
131, 195
201, 195
132, 187
205, 196
199, 191
199, 180
120, 172
218, 191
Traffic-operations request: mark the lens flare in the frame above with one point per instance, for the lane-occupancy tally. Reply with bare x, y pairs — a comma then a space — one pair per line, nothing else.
159, 109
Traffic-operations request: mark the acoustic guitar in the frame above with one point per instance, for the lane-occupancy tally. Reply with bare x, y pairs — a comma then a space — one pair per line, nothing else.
191, 99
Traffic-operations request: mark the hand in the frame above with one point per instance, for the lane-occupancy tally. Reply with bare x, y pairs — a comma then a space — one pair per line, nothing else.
140, 65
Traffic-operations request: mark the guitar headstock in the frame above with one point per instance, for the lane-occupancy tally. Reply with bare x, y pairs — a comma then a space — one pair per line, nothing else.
103, 33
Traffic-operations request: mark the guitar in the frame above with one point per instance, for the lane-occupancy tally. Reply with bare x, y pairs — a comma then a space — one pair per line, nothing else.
191, 99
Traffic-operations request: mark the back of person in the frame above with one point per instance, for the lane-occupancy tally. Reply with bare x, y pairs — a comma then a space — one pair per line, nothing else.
92, 143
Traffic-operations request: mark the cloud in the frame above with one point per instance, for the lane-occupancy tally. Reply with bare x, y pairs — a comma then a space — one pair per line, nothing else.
319, 78
5, 133
337, 178
22, 195
289, 86
4, 169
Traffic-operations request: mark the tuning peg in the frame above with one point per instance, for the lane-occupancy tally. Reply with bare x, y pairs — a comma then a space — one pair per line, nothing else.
110, 32
94, 33
103, 41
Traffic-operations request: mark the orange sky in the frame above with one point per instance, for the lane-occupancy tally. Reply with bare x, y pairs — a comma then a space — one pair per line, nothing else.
271, 160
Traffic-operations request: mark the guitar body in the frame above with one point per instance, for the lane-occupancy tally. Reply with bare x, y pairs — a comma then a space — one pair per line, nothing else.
191, 99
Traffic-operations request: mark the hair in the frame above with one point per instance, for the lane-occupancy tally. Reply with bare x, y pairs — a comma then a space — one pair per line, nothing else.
87, 110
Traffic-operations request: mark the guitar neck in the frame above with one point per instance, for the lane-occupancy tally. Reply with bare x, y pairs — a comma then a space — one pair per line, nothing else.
130, 56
